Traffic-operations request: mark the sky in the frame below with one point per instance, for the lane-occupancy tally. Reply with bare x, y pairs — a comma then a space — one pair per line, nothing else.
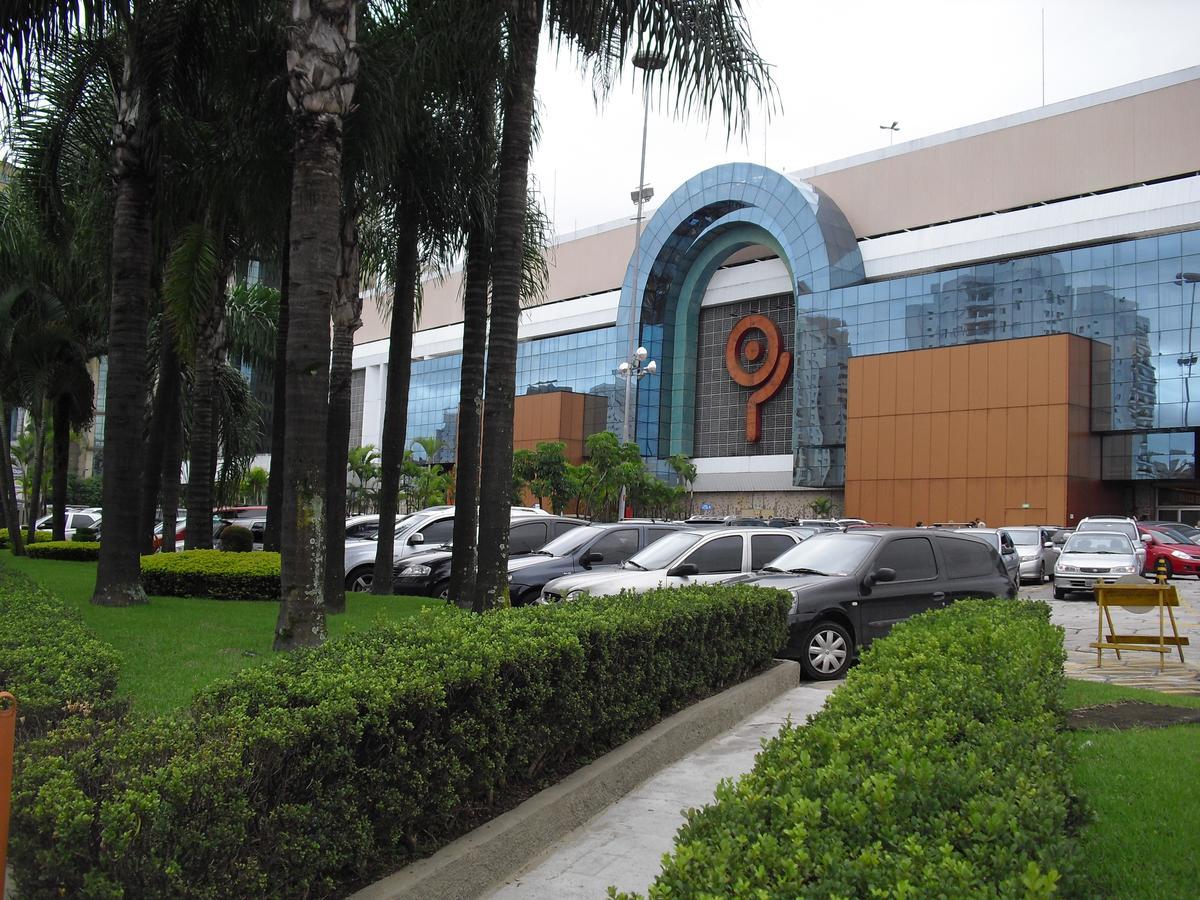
842, 68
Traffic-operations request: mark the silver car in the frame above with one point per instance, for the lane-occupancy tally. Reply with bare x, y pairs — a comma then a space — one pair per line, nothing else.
1000, 540
1125, 526
1034, 549
695, 556
1093, 557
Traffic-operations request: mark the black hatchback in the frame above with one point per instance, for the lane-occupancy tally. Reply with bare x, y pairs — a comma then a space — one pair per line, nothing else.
427, 573
849, 589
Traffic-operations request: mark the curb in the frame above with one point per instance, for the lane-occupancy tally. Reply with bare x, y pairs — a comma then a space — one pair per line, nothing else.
486, 857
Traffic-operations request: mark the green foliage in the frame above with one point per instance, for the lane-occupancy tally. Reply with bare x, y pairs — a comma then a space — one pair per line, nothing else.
423, 485
551, 476
87, 535
38, 537
363, 464
939, 769
49, 660
73, 551
822, 508
236, 539
326, 767
254, 486
212, 573
85, 491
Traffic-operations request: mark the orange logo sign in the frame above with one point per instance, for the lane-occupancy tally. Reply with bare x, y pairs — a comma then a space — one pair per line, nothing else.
769, 377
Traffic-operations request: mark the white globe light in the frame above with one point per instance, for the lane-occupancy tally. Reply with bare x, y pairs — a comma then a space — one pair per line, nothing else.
623, 368
651, 367
642, 353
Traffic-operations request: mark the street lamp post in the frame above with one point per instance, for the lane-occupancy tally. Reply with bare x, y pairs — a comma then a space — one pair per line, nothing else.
633, 369
1189, 359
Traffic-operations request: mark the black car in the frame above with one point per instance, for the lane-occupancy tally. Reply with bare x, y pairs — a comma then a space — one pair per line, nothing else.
427, 573
851, 588
581, 550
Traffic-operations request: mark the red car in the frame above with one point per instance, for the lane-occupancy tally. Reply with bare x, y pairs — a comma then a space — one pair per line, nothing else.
1182, 556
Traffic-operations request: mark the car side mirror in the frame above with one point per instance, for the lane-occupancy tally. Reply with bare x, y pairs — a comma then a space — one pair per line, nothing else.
416, 539
880, 575
1049, 545
592, 556
1146, 539
684, 570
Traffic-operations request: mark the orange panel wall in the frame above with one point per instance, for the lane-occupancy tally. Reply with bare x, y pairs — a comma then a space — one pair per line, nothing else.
999, 431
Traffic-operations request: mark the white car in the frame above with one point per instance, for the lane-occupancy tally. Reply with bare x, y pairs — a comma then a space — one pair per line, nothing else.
696, 556
76, 518
1122, 524
1089, 558
420, 531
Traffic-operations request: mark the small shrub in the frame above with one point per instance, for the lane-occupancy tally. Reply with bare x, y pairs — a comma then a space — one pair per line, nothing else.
49, 660
212, 573
939, 769
236, 539
38, 537
85, 535
73, 551
313, 773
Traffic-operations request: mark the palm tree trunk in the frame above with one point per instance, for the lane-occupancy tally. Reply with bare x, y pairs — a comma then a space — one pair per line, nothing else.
166, 403
347, 309
61, 451
39, 471
395, 412
279, 402
8, 484
470, 397
512, 179
118, 575
171, 461
203, 437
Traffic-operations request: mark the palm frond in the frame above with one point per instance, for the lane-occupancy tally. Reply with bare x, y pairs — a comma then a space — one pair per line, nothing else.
251, 323
190, 284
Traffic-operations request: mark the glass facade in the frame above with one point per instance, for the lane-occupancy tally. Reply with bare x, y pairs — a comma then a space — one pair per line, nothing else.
1132, 298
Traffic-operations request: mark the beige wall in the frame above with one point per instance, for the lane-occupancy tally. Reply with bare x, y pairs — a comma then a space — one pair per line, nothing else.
950, 434
1129, 141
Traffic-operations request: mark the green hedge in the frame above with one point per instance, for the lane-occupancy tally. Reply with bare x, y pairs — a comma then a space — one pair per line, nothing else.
938, 769
38, 537
49, 660
76, 551
323, 769
212, 573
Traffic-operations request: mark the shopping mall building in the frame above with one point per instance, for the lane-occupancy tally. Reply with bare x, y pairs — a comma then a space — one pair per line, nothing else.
995, 322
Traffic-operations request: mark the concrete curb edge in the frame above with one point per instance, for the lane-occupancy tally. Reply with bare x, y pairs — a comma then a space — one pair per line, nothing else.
485, 857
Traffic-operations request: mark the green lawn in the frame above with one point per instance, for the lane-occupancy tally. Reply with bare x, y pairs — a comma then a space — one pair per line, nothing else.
1143, 788
175, 645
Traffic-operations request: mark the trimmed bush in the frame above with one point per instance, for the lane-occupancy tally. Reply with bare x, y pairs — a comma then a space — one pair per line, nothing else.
49, 660
74, 551
38, 537
212, 573
236, 539
86, 535
938, 769
312, 774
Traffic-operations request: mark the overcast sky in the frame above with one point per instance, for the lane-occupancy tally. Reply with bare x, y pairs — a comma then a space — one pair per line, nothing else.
843, 68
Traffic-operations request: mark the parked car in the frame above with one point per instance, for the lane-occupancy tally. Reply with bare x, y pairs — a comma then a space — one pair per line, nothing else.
1033, 548
1191, 532
1094, 557
241, 512
1181, 555
75, 518
744, 521
691, 556
427, 573
1002, 542
1123, 524
181, 532
850, 589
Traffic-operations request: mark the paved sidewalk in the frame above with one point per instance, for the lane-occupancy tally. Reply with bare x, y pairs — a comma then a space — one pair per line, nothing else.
1077, 616
623, 845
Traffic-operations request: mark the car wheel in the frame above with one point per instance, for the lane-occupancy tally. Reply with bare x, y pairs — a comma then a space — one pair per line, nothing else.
826, 652
360, 579
1060, 594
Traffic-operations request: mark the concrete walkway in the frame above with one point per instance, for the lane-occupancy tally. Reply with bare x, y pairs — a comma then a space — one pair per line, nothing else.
623, 846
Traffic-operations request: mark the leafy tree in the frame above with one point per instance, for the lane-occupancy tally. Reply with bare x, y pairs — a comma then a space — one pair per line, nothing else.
822, 508
685, 469
523, 470
254, 486
363, 464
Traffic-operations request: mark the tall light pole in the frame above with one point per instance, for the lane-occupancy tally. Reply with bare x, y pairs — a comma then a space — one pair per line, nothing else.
1189, 359
891, 130
632, 369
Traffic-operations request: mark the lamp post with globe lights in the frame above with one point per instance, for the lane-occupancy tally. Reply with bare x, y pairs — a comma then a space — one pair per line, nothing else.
633, 370
1189, 359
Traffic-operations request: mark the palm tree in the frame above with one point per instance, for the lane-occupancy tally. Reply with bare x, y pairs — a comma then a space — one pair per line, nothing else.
685, 469
254, 485
363, 464
322, 67
708, 60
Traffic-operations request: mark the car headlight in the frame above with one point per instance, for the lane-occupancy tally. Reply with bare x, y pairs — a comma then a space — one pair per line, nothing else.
574, 595
1065, 569
415, 571
1179, 554
1123, 570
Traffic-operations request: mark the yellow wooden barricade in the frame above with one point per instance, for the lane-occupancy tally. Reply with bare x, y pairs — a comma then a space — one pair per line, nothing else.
1138, 598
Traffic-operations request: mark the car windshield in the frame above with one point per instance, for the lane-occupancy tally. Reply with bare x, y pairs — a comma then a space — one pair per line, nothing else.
570, 541
1098, 542
660, 554
1025, 537
830, 554
1125, 528
411, 523
1168, 535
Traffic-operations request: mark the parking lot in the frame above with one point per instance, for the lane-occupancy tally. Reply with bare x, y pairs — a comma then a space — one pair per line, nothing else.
1077, 616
